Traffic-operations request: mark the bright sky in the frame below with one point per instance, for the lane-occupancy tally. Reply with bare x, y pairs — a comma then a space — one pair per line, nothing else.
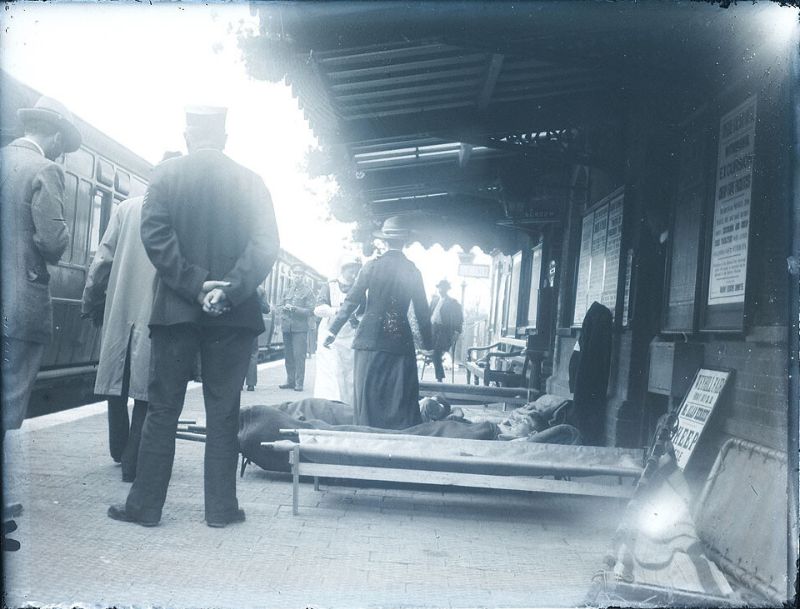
130, 69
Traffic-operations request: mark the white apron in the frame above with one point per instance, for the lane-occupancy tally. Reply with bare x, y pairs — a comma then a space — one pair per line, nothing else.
334, 367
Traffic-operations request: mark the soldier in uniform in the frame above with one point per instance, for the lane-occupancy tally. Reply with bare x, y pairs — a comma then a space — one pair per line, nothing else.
296, 309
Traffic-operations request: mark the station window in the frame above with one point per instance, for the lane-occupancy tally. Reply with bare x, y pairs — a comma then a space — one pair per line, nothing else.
81, 162
513, 296
536, 274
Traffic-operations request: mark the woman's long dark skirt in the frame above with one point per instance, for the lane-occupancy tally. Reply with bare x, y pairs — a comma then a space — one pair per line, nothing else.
386, 390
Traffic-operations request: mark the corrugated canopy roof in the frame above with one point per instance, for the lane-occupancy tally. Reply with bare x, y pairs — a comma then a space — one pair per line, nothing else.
462, 110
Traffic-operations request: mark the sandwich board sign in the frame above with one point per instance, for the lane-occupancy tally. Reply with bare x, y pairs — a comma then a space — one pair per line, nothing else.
695, 411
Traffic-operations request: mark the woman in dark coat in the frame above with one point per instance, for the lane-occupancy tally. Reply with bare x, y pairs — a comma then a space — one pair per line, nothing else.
386, 384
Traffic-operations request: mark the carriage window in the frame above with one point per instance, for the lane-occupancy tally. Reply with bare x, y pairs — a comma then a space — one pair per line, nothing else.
83, 206
122, 182
71, 183
98, 204
138, 187
105, 172
81, 162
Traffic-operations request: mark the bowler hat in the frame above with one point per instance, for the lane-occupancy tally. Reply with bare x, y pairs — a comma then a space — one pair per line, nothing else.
393, 228
211, 118
52, 111
444, 284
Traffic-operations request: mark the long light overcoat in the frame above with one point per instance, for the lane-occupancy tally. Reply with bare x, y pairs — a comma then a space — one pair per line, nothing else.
122, 275
34, 234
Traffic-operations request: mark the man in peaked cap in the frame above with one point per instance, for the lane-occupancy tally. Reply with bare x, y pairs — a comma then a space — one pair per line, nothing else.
34, 234
209, 229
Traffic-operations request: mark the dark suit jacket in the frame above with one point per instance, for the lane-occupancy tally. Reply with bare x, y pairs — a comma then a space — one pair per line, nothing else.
34, 234
388, 283
206, 217
450, 322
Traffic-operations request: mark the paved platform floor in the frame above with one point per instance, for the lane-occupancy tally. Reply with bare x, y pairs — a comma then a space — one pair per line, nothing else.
351, 546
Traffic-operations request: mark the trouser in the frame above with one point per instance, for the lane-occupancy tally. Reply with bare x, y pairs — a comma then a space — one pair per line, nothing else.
294, 353
119, 425
224, 354
21, 361
251, 379
438, 368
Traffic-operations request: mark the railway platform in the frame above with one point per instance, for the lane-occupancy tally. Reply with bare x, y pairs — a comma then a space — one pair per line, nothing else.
351, 546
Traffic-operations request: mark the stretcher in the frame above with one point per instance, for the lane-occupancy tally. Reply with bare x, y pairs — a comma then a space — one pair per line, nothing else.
519, 466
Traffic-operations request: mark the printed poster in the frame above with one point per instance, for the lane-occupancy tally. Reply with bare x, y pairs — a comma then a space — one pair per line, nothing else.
731, 228
695, 411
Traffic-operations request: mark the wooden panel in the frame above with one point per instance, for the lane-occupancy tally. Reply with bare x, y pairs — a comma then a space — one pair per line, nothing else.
513, 483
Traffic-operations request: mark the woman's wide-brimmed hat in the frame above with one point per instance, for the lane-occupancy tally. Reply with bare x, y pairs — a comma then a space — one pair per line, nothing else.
52, 111
394, 228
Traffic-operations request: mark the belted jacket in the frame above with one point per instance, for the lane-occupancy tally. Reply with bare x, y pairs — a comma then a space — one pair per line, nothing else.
387, 285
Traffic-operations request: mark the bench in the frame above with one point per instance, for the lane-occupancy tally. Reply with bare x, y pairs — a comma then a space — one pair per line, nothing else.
504, 363
519, 466
459, 394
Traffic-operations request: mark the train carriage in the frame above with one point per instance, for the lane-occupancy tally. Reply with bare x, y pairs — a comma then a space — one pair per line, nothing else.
98, 176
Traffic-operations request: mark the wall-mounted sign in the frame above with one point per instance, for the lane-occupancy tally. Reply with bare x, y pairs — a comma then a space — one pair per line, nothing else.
695, 410
478, 271
731, 228
598, 263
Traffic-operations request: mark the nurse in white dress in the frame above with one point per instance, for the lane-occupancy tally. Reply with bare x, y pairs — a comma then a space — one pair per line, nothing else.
334, 367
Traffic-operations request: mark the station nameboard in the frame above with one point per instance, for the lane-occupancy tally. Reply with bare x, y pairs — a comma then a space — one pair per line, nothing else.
695, 410
477, 271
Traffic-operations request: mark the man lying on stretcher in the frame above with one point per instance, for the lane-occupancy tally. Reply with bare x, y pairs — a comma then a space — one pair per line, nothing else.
261, 423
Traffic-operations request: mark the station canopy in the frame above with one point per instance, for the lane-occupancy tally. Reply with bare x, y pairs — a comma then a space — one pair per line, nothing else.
470, 118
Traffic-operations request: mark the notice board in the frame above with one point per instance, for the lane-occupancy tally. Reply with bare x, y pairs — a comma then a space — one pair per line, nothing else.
730, 230
599, 259
695, 411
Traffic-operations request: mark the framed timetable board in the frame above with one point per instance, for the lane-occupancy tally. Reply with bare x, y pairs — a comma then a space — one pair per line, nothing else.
729, 235
599, 259
696, 409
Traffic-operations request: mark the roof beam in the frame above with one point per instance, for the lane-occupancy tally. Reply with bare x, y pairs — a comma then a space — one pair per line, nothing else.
455, 60
410, 78
492, 72
448, 85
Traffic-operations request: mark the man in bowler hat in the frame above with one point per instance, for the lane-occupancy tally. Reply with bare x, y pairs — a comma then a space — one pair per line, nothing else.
34, 234
209, 229
447, 322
